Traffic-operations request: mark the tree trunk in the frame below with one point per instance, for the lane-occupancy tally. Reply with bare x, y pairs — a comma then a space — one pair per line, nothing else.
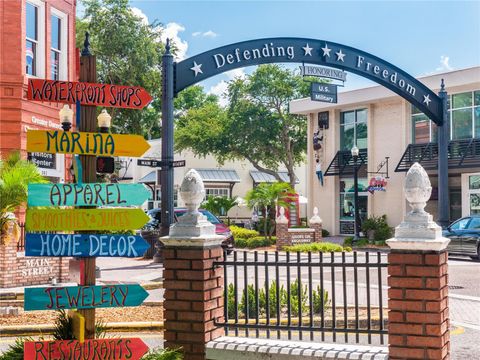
265, 223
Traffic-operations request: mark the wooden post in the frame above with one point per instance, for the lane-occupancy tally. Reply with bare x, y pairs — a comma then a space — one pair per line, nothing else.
88, 122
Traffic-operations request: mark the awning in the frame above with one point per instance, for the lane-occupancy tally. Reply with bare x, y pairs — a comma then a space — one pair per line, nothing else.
343, 164
219, 176
461, 154
261, 177
150, 178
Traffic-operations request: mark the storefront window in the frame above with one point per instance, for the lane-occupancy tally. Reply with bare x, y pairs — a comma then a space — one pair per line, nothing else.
353, 129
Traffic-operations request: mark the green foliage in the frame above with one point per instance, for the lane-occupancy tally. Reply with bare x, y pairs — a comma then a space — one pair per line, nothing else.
15, 175
63, 326
128, 52
256, 126
251, 296
255, 242
242, 233
382, 231
315, 247
348, 241
231, 301
15, 351
163, 354
325, 233
272, 298
219, 205
298, 297
319, 300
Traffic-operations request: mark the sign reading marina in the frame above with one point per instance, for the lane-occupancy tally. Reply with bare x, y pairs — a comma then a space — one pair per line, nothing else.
84, 297
323, 92
88, 194
95, 349
83, 219
85, 245
106, 95
323, 72
85, 143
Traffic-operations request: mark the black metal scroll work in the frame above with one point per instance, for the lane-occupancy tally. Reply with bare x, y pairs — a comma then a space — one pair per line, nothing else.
383, 163
302, 50
343, 164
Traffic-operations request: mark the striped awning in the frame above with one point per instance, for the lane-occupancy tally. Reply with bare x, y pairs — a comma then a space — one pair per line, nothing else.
150, 178
219, 175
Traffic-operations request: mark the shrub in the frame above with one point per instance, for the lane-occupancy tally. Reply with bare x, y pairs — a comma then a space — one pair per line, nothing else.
315, 247
317, 300
325, 233
348, 241
295, 302
163, 354
272, 298
242, 233
252, 307
231, 301
255, 242
379, 226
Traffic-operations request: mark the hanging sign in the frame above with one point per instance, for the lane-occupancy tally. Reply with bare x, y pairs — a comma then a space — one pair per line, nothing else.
323, 72
96, 349
159, 163
84, 297
84, 219
323, 92
85, 143
106, 95
88, 194
85, 245
377, 183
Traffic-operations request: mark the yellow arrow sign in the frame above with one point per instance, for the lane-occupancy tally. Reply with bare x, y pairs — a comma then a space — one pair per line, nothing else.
84, 219
84, 143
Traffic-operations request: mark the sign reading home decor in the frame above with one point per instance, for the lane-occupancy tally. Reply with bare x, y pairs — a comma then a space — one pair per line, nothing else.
312, 51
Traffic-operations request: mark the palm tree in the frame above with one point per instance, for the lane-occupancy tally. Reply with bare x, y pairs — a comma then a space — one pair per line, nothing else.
267, 196
15, 175
220, 205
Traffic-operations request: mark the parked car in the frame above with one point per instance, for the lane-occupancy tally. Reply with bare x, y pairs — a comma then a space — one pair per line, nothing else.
464, 235
220, 227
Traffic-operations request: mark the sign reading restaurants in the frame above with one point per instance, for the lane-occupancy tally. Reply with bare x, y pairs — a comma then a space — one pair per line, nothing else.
106, 95
85, 143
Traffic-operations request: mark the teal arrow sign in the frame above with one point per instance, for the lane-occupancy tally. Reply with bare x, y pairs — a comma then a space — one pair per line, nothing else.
84, 297
101, 194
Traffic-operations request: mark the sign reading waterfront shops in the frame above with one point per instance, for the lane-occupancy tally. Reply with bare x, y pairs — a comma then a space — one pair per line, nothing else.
95, 349
88, 194
84, 297
83, 219
159, 163
323, 92
106, 95
85, 245
85, 143
323, 72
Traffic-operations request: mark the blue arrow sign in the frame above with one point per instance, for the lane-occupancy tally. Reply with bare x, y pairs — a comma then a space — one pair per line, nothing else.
84, 297
85, 245
94, 194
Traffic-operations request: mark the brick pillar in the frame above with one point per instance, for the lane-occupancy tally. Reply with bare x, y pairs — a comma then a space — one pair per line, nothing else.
418, 320
281, 230
316, 223
193, 285
8, 265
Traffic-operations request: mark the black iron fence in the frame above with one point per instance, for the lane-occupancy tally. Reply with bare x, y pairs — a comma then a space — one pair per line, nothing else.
329, 297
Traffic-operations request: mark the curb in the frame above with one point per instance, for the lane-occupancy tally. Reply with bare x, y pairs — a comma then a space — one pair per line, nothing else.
27, 330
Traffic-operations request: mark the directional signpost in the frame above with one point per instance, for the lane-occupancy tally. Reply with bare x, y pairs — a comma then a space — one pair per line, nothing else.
84, 297
85, 245
106, 95
86, 143
323, 92
93, 194
159, 163
96, 349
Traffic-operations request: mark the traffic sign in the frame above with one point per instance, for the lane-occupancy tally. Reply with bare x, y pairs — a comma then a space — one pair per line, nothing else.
323, 92
106, 95
87, 194
95, 349
159, 163
86, 143
84, 297
84, 219
85, 245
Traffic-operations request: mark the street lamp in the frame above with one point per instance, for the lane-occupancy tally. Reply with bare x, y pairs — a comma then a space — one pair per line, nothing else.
355, 153
104, 121
66, 117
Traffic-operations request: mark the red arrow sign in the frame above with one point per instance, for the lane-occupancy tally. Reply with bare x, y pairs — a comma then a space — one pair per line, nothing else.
129, 97
97, 349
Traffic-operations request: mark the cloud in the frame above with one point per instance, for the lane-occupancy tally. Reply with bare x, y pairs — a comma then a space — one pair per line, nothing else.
444, 65
209, 34
139, 13
220, 88
171, 31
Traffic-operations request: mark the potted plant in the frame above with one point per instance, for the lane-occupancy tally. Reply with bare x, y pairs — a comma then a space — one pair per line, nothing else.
369, 226
15, 175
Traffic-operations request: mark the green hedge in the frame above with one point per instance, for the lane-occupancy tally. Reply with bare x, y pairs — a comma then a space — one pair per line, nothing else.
254, 242
242, 233
317, 247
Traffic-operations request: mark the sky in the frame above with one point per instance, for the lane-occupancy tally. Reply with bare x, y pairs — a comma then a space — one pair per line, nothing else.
420, 37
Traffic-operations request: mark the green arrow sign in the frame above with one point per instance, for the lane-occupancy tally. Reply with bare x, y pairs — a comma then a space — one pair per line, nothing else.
83, 219
84, 297
87, 194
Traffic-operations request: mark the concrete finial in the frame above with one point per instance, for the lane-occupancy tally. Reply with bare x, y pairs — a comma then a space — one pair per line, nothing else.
315, 219
281, 218
418, 188
192, 191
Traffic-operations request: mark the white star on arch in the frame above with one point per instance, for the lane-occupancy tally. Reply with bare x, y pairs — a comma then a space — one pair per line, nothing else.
197, 68
426, 99
308, 50
326, 50
340, 55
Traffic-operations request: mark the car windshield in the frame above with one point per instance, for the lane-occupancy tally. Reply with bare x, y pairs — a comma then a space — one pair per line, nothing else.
210, 217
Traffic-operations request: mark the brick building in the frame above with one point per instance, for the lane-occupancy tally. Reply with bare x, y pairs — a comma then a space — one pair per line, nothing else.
37, 40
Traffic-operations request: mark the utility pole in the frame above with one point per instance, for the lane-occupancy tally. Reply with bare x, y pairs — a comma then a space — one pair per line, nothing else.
88, 73
443, 141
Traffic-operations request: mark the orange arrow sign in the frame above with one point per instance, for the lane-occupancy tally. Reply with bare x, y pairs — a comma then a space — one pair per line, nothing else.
107, 95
